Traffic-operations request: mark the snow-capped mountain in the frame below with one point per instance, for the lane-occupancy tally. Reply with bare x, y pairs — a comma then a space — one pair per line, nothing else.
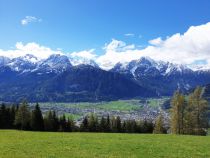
59, 78
147, 66
162, 77
54, 63
24, 63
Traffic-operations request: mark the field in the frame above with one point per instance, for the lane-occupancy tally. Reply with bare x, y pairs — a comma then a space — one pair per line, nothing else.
62, 145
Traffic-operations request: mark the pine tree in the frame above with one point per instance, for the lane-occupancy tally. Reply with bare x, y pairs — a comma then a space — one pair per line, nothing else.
159, 125
177, 113
103, 124
63, 123
70, 126
84, 125
12, 112
51, 121
93, 123
3, 121
37, 121
55, 121
108, 126
22, 118
146, 126
118, 124
124, 127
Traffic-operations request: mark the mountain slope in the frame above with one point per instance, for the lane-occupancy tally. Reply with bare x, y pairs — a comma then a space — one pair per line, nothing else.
162, 77
79, 83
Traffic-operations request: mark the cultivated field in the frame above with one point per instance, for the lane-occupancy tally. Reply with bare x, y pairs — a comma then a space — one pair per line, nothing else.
63, 145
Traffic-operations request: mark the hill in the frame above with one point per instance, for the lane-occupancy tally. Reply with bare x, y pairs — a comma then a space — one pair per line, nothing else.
20, 144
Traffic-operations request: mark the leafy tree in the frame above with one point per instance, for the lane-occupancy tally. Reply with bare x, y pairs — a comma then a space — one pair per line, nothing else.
177, 113
197, 113
37, 121
113, 124
22, 118
159, 125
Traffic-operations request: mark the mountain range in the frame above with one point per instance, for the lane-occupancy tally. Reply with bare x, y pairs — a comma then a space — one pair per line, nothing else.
62, 79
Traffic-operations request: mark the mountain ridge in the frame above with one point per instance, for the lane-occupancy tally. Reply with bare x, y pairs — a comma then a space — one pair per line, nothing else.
57, 79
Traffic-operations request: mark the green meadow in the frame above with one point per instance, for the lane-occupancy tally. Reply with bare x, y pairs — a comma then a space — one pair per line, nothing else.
22, 144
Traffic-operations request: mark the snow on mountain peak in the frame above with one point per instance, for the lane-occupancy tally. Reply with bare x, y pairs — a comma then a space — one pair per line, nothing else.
79, 61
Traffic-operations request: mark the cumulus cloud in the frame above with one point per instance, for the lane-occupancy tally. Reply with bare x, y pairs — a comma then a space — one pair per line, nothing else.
35, 49
191, 48
185, 48
88, 54
116, 51
30, 19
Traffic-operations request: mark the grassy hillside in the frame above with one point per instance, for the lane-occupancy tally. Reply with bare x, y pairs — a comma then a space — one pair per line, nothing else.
52, 145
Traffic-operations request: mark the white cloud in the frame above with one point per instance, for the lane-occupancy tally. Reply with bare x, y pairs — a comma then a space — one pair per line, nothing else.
156, 41
88, 54
116, 51
35, 49
129, 35
189, 48
30, 19
185, 48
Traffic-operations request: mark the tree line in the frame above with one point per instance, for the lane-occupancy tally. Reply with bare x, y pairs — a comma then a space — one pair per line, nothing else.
20, 117
188, 115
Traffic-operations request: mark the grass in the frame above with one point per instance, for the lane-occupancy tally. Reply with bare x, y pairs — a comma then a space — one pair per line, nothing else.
21, 144
121, 105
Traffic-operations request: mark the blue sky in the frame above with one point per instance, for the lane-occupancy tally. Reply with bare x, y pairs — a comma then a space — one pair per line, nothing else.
77, 25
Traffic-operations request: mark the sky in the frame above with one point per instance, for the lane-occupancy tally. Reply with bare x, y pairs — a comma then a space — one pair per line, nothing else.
108, 31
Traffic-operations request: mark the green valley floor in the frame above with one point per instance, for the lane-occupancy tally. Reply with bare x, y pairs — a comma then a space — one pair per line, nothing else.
22, 144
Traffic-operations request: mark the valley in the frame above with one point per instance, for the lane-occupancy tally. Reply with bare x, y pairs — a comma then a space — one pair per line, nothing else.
138, 109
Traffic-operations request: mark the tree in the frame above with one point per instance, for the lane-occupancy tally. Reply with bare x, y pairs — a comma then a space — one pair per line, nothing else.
3, 121
70, 126
12, 112
103, 124
37, 121
159, 125
51, 121
118, 124
113, 124
63, 123
84, 125
93, 123
177, 113
108, 126
146, 126
197, 113
22, 118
